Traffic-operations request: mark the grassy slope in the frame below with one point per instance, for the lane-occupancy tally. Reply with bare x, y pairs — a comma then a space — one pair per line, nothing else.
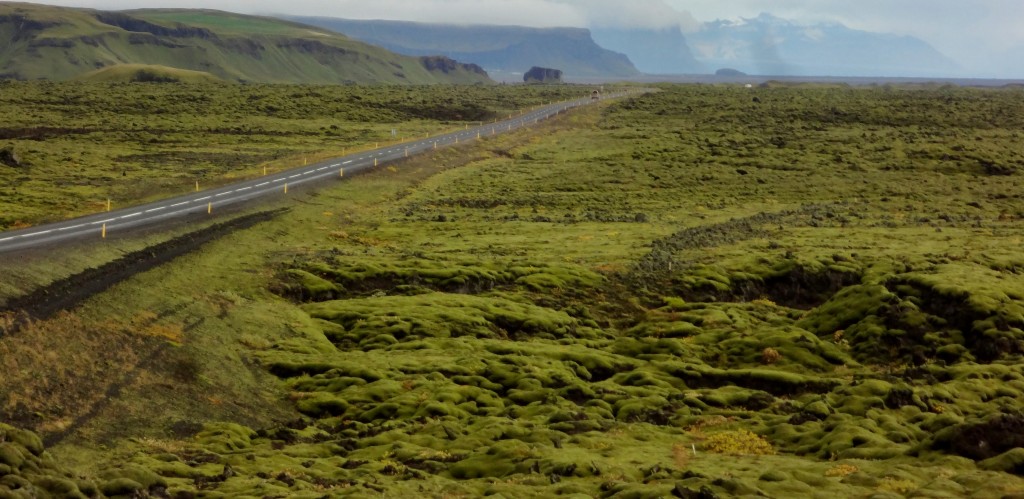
491, 320
61, 43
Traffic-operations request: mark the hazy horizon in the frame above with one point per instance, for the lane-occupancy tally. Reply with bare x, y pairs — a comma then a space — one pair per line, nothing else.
982, 37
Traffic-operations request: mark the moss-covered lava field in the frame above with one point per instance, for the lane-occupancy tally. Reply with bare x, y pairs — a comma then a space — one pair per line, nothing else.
703, 291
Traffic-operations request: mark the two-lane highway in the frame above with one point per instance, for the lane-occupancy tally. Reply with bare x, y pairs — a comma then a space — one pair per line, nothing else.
208, 201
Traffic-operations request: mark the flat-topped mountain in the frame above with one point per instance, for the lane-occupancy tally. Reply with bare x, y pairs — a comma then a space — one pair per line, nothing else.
498, 49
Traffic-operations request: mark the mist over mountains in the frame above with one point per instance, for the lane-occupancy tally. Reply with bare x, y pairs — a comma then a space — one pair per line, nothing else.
770, 45
764, 45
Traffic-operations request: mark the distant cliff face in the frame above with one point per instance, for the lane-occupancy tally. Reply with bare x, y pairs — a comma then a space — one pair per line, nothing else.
504, 49
543, 75
44, 42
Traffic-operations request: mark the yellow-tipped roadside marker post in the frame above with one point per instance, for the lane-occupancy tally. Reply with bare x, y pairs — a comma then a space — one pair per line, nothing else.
103, 231
286, 187
108, 204
209, 208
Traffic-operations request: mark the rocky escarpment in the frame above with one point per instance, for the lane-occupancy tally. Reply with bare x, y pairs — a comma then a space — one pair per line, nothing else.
447, 65
543, 75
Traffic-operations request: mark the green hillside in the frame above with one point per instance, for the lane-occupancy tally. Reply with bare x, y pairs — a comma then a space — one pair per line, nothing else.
60, 44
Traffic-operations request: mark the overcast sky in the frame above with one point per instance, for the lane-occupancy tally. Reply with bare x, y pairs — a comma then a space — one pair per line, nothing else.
972, 32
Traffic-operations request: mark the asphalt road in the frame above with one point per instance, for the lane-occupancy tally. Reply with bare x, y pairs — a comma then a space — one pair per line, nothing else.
276, 184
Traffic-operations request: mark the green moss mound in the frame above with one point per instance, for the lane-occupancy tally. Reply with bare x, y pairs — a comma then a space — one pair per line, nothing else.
27, 470
386, 321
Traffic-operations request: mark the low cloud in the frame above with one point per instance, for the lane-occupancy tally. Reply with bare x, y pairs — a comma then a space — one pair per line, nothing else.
656, 14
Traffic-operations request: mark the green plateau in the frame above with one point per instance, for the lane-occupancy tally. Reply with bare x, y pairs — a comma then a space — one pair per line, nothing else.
700, 291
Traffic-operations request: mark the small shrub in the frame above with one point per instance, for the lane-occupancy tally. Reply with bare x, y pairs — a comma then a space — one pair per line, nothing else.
738, 442
841, 470
770, 356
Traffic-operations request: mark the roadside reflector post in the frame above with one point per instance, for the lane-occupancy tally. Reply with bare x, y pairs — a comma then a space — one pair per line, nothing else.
286, 187
374, 161
435, 144
376, 145
407, 152
456, 139
209, 208
467, 126
341, 172
197, 186
264, 171
103, 231
478, 134
108, 204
